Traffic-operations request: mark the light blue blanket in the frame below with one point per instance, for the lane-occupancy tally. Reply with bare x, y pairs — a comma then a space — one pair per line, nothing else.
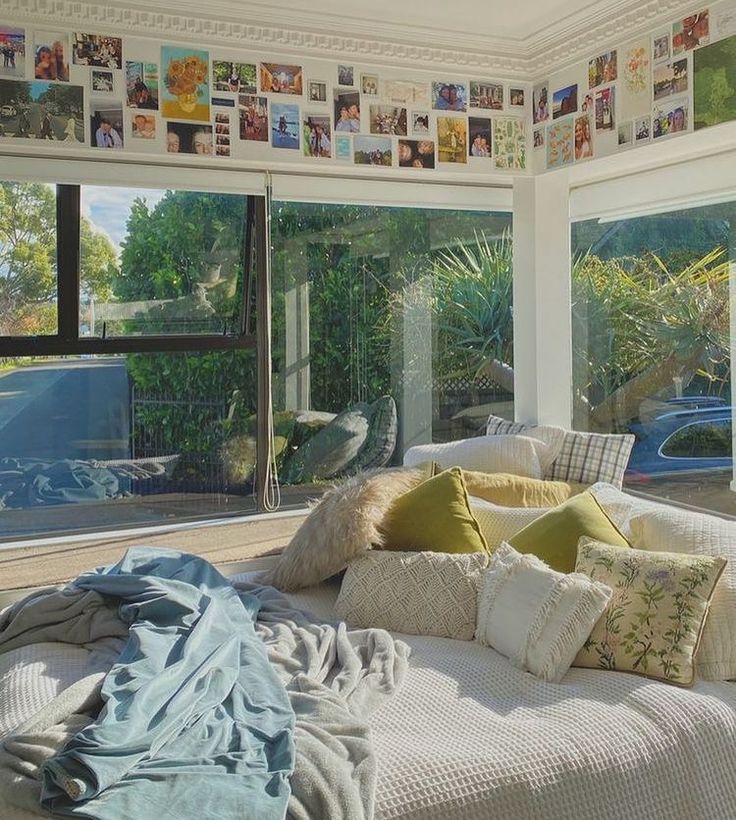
196, 722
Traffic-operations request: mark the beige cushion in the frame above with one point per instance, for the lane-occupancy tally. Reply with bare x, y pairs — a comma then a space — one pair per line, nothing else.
518, 491
498, 524
418, 593
653, 623
343, 525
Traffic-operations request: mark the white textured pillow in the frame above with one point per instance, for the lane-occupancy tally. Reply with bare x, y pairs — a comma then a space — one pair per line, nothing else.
498, 524
662, 529
417, 593
537, 617
520, 455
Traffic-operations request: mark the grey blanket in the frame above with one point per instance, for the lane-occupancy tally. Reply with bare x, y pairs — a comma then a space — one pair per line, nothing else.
334, 677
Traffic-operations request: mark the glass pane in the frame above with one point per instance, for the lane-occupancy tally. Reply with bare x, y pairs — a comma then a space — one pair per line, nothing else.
165, 262
27, 259
652, 347
399, 319
101, 442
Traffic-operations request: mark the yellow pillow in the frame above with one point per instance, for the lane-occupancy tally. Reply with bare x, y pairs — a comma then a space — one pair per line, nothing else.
435, 516
554, 536
509, 490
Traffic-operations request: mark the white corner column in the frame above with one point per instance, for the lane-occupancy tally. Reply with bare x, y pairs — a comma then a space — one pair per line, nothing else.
542, 319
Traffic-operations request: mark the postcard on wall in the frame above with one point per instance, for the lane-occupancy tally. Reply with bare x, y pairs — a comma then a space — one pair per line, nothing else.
416, 153
669, 79
223, 135
603, 69
253, 111
238, 78
661, 47
635, 80
142, 125
372, 151
449, 96
691, 32
98, 50
51, 56
565, 101
317, 91
605, 109
509, 143
583, 145
539, 137
517, 97
343, 148
317, 136
278, 78
485, 94
347, 111
387, 119
141, 85
540, 102
560, 144
625, 134
715, 83
452, 139
479, 138
185, 94
670, 118
189, 138
420, 122
285, 126
13, 48
345, 75
43, 110
102, 81
406, 92
106, 124
643, 128
369, 84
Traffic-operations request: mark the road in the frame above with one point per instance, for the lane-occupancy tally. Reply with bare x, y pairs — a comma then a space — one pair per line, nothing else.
66, 409
58, 124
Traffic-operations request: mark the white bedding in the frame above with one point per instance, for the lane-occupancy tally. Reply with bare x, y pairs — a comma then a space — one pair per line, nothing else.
468, 736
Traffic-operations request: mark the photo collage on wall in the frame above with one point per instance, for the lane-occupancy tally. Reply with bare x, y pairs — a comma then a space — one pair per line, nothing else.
108, 92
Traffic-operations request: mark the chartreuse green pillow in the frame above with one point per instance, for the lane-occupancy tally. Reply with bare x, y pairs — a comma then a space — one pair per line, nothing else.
554, 536
435, 516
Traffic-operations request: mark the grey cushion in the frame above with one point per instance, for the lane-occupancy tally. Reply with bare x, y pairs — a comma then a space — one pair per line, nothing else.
380, 442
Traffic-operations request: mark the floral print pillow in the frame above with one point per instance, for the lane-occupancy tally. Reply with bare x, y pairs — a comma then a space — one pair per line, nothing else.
654, 620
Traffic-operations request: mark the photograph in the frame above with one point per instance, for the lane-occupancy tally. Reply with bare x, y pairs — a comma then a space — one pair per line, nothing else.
420, 122
13, 47
240, 78
223, 102
222, 134
42, 110
565, 101
345, 75
714, 83
141, 85
189, 138
670, 79
222, 118
347, 111
369, 84
102, 81
670, 118
588, 104
185, 94
479, 140
560, 138
643, 129
317, 91
485, 94
285, 126
540, 102
143, 126
625, 134
416, 153
605, 109
448, 96
690, 32
583, 144
406, 92
661, 47
317, 136
385, 119
106, 124
539, 137
51, 56
452, 139
372, 151
281, 79
603, 69
343, 148
516, 97
635, 80
253, 118
97, 50
509, 143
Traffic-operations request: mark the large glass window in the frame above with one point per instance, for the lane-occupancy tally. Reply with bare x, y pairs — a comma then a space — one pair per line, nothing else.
652, 347
391, 326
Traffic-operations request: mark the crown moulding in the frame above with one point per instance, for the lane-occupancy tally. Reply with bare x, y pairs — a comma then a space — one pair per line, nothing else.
573, 38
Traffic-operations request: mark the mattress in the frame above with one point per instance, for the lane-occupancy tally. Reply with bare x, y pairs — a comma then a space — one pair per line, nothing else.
469, 736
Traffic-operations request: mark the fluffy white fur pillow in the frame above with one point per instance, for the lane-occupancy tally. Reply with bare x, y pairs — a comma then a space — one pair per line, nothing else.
520, 455
537, 617
343, 525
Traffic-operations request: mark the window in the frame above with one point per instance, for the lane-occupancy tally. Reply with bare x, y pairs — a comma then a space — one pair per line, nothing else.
652, 346
377, 308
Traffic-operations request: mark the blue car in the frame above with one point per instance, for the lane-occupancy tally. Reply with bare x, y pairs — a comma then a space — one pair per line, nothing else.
689, 433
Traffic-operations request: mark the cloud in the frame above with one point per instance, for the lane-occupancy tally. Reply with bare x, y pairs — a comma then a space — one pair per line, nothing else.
108, 208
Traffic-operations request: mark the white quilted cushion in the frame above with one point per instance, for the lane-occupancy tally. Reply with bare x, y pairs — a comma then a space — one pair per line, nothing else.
520, 455
416, 593
498, 523
536, 617
664, 529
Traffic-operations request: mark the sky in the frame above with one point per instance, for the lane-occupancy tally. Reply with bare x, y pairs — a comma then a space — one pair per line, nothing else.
108, 208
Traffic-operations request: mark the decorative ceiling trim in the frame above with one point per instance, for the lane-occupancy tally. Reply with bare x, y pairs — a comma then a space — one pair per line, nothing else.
571, 39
